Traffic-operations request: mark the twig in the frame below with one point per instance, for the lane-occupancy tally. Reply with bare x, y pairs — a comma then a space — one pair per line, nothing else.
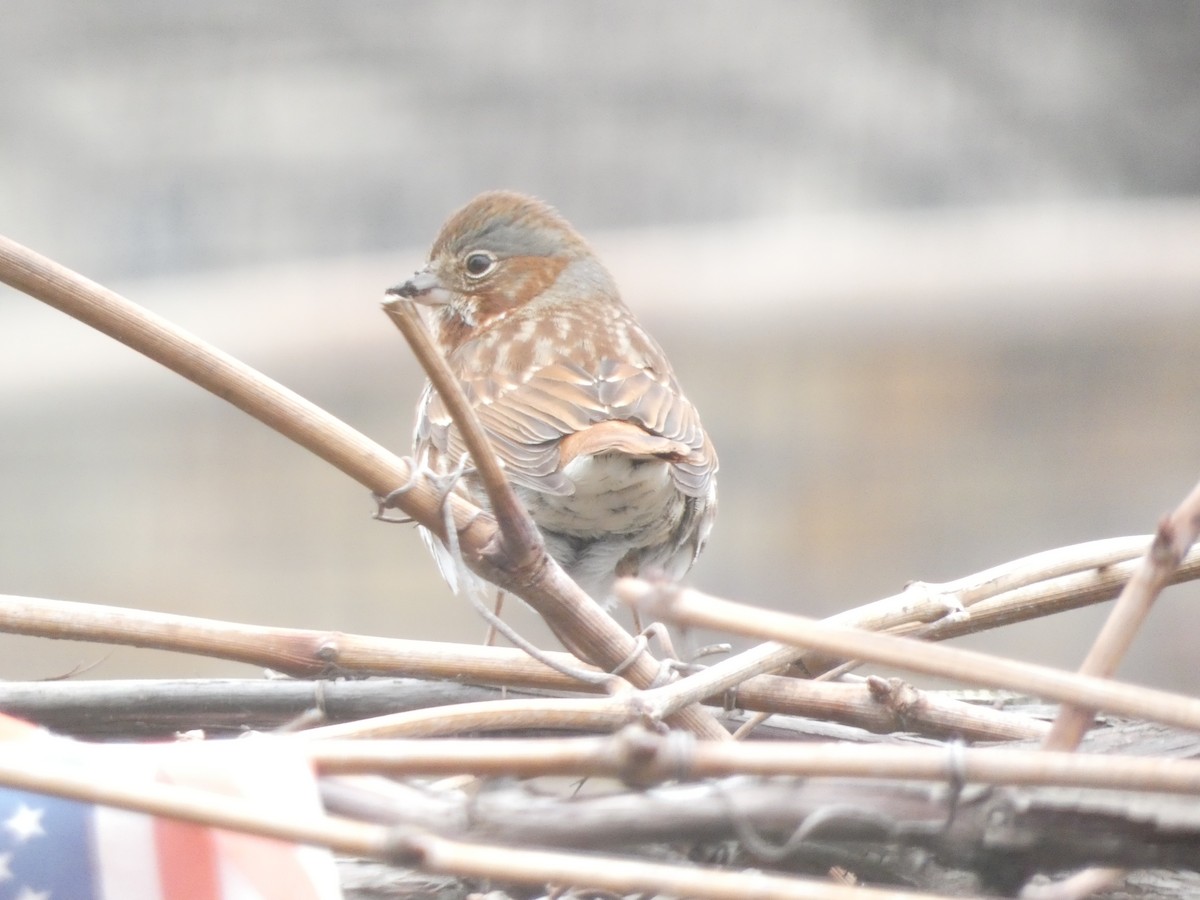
1028, 570
292, 651
720, 676
161, 707
735, 674
1074, 887
853, 703
624, 876
216, 371
319, 654
1039, 585
588, 714
697, 609
1054, 595
520, 540
1174, 538
639, 757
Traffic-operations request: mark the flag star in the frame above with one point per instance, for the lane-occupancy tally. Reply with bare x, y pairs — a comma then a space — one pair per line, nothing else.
5, 871
28, 893
25, 823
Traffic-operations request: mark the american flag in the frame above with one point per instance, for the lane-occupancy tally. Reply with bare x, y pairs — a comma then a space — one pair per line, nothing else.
56, 849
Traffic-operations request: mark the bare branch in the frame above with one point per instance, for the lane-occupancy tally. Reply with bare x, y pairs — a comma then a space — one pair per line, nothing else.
520, 539
1045, 583
318, 654
1171, 543
697, 609
643, 758
623, 876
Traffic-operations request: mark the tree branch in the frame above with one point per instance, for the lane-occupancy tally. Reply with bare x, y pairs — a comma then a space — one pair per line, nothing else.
1171, 543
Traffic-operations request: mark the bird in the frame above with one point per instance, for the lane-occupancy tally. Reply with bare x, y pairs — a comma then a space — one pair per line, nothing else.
578, 401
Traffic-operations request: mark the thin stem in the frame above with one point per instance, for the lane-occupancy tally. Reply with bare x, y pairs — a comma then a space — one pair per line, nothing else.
520, 539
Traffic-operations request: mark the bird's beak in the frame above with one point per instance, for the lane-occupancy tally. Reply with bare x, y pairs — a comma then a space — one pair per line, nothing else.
424, 287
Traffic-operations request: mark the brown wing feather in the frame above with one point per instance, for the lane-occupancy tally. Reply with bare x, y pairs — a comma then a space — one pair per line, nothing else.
619, 437
528, 420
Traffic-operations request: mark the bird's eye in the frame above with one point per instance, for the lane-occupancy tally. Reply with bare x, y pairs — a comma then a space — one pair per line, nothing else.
479, 264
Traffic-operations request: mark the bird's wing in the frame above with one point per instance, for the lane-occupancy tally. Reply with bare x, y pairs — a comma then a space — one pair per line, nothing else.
564, 411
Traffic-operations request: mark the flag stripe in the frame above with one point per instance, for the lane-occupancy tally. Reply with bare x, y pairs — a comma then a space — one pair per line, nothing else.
187, 861
273, 868
124, 867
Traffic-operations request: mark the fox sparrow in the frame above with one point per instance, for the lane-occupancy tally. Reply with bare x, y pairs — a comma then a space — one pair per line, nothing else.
578, 401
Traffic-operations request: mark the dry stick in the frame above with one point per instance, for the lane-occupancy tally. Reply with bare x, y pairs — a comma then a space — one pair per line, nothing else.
720, 676
694, 608
885, 706
1054, 595
1090, 570
625, 876
605, 714
1172, 540
590, 714
1073, 887
904, 609
731, 674
548, 589
642, 758
1174, 537
966, 592
520, 545
315, 654
1042, 584
520, 538
292, 651
156, 706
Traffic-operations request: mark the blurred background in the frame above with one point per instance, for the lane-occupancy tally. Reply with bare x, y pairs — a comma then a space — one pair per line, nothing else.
930, 271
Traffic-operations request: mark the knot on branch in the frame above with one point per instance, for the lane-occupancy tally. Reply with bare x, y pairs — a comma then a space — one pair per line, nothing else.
897, 696
645, 758
1165, 552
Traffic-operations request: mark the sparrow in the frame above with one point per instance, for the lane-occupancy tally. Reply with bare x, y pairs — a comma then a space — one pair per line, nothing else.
578, 401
